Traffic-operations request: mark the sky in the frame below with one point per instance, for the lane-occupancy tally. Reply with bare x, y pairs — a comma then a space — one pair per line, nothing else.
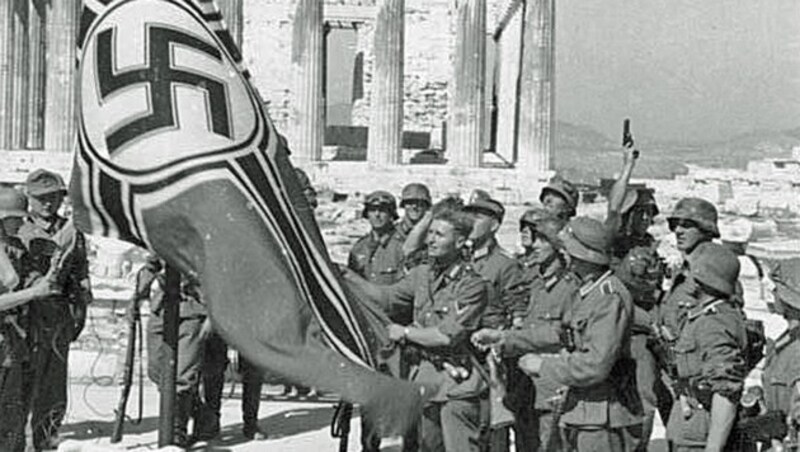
682, 70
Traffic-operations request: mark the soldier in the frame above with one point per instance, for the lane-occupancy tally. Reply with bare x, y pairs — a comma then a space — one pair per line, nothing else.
708, 355
551, 295
507, 288
378, 256
694, 221
560, 197
57, 320
529, 258
601, 410
781, 376
448, 299
193, 330
415, 199
637, 264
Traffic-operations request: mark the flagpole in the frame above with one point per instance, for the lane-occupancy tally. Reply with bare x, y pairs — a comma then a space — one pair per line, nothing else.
170, 362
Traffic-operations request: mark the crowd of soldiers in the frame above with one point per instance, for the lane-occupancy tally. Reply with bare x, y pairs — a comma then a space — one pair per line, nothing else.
573, 344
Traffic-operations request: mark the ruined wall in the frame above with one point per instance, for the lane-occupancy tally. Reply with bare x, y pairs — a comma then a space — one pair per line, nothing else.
430, 28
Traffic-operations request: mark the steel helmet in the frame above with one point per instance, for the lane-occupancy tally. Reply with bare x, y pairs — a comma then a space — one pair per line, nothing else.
639, 197
698, 210
586, 239
415, 192
380, 198
715, 266
543, 222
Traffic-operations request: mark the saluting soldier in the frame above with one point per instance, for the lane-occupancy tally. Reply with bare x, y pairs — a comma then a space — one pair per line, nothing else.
552, 291
448, 299
415, 200
708, 355
781, 376
601, 410
57, 320
507, 290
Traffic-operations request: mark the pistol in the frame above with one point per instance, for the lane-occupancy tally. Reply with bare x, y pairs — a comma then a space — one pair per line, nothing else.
627, 137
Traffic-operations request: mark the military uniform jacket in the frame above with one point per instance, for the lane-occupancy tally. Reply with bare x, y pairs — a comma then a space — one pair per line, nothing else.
13, 322
420, 255
782, 372
43, 239
677, 301
530, 269
600, 376
507, 288
379, 259
452, 300
709, 359
551, 298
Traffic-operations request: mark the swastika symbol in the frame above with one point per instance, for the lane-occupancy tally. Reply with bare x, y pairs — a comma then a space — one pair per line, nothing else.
160, 76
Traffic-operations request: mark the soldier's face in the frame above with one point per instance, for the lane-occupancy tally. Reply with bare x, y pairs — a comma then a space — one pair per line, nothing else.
46, 205
484, 226
641, 220
379, 218
415, 210
541, 250
526, 237
443, 241
555, 204
687, 234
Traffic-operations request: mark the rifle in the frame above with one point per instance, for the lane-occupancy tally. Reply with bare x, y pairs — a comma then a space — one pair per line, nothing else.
627, 137
134, 328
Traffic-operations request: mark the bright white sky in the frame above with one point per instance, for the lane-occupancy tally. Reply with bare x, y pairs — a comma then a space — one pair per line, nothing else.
685, 70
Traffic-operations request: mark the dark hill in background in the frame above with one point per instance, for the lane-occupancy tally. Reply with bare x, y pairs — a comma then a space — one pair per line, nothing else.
586, 155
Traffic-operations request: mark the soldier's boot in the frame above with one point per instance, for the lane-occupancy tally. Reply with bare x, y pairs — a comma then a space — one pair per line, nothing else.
184, 406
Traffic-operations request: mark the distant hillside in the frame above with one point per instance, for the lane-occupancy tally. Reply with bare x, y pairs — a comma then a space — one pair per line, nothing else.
585, 155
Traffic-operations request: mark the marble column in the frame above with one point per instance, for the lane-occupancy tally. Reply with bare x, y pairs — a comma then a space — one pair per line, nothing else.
386, 124
37, 69
233, 15
534, 143
61, 85
468, 93
307, 119
6, 72
20, 71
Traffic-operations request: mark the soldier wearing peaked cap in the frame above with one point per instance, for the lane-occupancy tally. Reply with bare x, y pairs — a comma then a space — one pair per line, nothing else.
507, 294
708, 356
601, 410
57, 320
552, 290
560, 196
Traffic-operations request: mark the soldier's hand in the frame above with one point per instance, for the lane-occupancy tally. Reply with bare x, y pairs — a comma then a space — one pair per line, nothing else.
486, 338
396, 332
530, 364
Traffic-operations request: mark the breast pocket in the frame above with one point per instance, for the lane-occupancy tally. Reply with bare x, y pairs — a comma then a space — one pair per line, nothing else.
687, 357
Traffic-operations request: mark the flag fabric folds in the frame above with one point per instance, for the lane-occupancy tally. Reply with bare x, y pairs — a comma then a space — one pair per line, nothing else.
177, 154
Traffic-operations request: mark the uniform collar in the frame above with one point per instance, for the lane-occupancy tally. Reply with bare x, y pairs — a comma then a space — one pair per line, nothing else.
589, 286
448, 274
485, 250
383, 239
405, 225
552, 274
49, 226
709, 307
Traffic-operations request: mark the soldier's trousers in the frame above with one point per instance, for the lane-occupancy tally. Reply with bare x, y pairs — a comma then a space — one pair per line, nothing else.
12, 408
251, 391
652, 391
46, 380
533, 430
601, 439
452, 426
190, 353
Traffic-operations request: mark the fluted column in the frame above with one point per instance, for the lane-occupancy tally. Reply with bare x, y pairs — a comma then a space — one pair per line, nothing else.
36, 90
307, 109
60, 115
535, 142
20, 70
6, 72
385, 142
468, 94
233, 15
